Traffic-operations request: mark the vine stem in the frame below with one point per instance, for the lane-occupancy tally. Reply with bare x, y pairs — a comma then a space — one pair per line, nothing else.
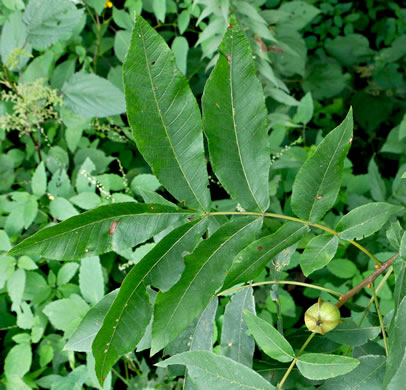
367, 281
378, 310
280, 282
288, 218
292, 365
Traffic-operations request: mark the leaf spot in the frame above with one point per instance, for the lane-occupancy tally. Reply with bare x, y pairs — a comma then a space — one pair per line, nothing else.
319, 197
260, 248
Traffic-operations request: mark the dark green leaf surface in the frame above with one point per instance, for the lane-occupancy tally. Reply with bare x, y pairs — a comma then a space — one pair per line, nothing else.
317, 366
165, 117
235, 342
251, 260
318, 253
367, 376
395, 374
82, 338
130, 313
269, 339
318, 181
88, 234
349, 333
365, 220
236, 124
215, 372
205, 271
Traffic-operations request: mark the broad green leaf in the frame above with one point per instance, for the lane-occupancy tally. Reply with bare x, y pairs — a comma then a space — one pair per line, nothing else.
251, 260
61, 209
18, 360
89, 95
305, 109
298, 13
39, 180
121, 43
82, 339
400, 285
183, 21
235, 342
394, 235
5, 244
126, 320
86, 200
210, 371
50, 20
16, 286
342, 268
318, 181
269, 339
180, 48
367, 376
73, 381
205, 270
318, 253
66, 273
98, 5
91, 281
396, 362
67, 313
146, 182
236, 124
88, 234
165, 117
365, 220
318, 366
13, 39
377, 185
159, 8
349, 333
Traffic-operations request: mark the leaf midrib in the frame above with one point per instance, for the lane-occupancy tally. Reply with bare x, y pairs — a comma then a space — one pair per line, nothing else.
235, 126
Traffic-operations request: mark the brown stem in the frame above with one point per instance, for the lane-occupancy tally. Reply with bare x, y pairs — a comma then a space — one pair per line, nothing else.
36, 146
367, 281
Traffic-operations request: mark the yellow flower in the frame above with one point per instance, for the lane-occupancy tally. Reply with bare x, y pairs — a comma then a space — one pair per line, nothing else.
108, 4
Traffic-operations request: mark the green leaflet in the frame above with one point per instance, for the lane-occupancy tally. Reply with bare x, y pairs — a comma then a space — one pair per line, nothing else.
365, 220
165, 117
250, 261
318, 253
319, 179
318, 366
210, 371
235, 123
205, 271
269, 339
88, 234
235, 342
130, 313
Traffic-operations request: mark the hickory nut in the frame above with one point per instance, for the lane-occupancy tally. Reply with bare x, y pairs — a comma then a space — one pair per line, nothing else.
322, 317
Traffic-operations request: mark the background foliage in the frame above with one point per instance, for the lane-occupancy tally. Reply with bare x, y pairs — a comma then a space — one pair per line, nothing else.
66, 147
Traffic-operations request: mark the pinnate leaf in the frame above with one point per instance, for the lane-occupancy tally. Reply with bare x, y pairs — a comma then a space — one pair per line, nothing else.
318, 181
318, 366
236, 124
365, 220
130, 313
205, 271
88, 234
269, 339
164, 117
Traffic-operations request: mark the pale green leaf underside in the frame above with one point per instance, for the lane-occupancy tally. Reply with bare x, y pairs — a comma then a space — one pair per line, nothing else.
235, 123
205, 270
215, 372
165, 117
130, 313
88, 234
269, 339
318, 181
317, 366
235, 341
365, 220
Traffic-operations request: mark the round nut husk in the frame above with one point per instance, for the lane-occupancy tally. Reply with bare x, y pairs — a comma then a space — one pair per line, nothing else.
322, 317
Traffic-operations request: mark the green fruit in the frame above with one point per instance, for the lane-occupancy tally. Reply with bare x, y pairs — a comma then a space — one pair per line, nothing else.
322, 317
